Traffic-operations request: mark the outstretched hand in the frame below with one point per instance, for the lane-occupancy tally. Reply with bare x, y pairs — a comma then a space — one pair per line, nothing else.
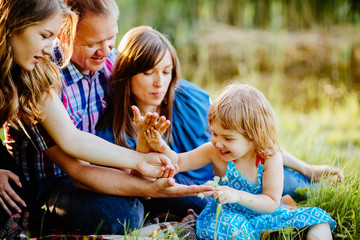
167, 188
150, 120
9, 200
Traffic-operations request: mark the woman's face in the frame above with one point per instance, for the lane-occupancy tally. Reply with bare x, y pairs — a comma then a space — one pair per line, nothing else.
150, 87
36, 41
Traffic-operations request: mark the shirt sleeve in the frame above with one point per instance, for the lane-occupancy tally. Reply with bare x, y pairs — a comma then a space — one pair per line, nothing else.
41, 138
190, 124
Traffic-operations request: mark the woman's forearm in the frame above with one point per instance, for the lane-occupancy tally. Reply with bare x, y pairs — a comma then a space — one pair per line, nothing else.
86, 146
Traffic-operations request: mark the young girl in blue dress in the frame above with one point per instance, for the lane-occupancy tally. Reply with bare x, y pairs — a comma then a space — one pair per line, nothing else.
245, 152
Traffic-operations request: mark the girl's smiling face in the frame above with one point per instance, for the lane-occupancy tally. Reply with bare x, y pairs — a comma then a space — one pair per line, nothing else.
35, 42
230, 143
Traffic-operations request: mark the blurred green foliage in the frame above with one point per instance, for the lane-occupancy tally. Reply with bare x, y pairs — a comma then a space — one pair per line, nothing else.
170, 15
218, 40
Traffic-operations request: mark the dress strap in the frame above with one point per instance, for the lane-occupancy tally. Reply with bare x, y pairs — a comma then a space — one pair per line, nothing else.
259, 160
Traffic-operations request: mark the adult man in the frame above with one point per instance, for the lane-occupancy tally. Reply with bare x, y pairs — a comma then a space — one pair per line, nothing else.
88, 196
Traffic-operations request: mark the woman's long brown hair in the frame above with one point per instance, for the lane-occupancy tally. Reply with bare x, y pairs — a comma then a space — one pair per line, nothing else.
138, 52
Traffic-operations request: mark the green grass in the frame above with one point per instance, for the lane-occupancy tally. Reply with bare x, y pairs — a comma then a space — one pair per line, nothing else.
321, 129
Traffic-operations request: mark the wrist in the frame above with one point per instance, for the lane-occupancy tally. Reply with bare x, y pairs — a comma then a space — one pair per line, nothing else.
307, 170
135, 160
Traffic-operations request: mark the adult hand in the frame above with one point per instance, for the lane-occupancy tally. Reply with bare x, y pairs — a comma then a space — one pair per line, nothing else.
319, 171
167, 188
9, 200
150, 120
155, 165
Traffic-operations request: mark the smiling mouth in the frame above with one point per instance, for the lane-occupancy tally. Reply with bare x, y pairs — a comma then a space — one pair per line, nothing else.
98, 59
222, 152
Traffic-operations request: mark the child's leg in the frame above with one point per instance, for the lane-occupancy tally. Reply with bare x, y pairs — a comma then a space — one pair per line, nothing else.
319, 231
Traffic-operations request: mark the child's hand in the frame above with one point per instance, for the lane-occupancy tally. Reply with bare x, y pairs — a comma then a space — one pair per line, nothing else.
226, 194
155, 141
155, 165
170, 172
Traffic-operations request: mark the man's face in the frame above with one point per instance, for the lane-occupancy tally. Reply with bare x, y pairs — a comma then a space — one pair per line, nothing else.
95, 37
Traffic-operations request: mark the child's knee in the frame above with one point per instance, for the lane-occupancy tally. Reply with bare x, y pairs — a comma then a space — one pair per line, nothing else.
319, 231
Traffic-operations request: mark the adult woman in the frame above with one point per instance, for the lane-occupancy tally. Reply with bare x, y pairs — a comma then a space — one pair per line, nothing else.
147, 74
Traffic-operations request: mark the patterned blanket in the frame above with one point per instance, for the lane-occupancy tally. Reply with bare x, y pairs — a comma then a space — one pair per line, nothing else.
23, 226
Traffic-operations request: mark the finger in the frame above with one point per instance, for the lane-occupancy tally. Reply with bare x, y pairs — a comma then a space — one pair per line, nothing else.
160, 122
209, 193
153, 132
166, 182
174, 171
14, 197
147, 119
3, 205
147, 134
9, 202
157, 172
163, 127
222, 199
166, 172
154, 117
136, 113
164, 160
15, 178
157, 134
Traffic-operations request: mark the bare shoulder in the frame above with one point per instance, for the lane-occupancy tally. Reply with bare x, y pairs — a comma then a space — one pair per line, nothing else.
274, 161
219, 165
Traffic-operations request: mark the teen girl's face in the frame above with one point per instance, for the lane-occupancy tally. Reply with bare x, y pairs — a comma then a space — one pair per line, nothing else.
230, 143
34, 42
150, 87
95, 37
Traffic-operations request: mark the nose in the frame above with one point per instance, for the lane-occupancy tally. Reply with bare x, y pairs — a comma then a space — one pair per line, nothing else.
105, 49
159, 80
218, 144
47, 50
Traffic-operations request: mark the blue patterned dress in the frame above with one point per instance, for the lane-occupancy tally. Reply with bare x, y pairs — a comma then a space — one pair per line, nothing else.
236, 220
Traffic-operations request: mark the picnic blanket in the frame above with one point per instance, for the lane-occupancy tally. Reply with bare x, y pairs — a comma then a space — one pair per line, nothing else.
26, 226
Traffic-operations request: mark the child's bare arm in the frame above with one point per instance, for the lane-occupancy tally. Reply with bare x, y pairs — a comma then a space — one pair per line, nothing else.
269, 200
